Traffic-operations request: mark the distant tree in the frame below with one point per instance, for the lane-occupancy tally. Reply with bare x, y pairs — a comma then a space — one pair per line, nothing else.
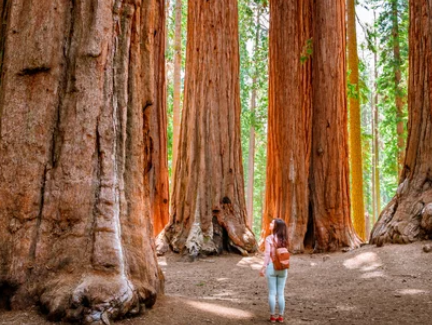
253, 29
398, 91
392, 33
355, 141
177, 78
253, 104
376, 138
156, 167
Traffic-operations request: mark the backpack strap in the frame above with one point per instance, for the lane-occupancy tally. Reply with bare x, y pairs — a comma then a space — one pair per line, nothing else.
273, 249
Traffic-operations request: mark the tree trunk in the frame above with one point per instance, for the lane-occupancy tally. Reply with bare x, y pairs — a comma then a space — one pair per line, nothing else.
251, 158
408, 216
75, 234
289, 119
355, 156
398, 90
329, 182
177, 83
155, 136
307, 180
208, 212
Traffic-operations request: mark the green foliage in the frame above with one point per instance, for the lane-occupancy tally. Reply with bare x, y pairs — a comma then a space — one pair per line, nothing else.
352, 91
169, 60
379, 39
254, 64
307, 51
387, 90
366, 98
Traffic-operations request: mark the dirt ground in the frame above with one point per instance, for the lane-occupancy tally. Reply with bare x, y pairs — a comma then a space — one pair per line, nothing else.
387, 285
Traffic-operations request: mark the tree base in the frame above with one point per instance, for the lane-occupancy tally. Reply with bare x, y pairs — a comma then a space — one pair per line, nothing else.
406, 218
92, 299
197, 243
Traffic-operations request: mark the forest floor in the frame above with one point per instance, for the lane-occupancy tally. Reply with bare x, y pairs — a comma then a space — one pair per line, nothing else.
370, 285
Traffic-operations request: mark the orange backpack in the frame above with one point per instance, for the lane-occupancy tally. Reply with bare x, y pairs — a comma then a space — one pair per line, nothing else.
280, 257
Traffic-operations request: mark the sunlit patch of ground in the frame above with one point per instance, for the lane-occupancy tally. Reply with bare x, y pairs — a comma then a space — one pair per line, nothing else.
221, 310
254, 262
366, 262
412, 291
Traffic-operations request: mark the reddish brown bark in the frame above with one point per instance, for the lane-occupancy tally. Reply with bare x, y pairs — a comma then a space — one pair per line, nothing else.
307, 168
208, 212
289, 118
74, 231
155, 124
408, 216
329, 183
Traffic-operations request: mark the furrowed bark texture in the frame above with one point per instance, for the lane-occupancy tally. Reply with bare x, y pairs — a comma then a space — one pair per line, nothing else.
208, 212
290, 117
408, 216
155, 124
307, 166
329, 183
74, 231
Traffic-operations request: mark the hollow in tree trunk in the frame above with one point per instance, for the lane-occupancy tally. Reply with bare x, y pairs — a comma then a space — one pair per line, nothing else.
408, 216
208, 211
75, 235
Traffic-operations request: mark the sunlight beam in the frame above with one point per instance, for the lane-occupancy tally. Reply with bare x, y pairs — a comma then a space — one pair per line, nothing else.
220, 310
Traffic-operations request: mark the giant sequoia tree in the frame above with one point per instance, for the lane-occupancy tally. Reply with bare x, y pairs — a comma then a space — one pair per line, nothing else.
289, 118
75, 233
208, 206
307, 168
155, 137
408, 216
329, 183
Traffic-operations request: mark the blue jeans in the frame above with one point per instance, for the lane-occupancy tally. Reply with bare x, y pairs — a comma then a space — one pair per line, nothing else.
276, 284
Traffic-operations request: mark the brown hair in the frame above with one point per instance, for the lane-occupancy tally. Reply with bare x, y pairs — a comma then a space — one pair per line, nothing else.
280, 232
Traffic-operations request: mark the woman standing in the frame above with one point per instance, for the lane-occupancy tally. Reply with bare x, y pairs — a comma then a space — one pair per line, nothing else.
276, 279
